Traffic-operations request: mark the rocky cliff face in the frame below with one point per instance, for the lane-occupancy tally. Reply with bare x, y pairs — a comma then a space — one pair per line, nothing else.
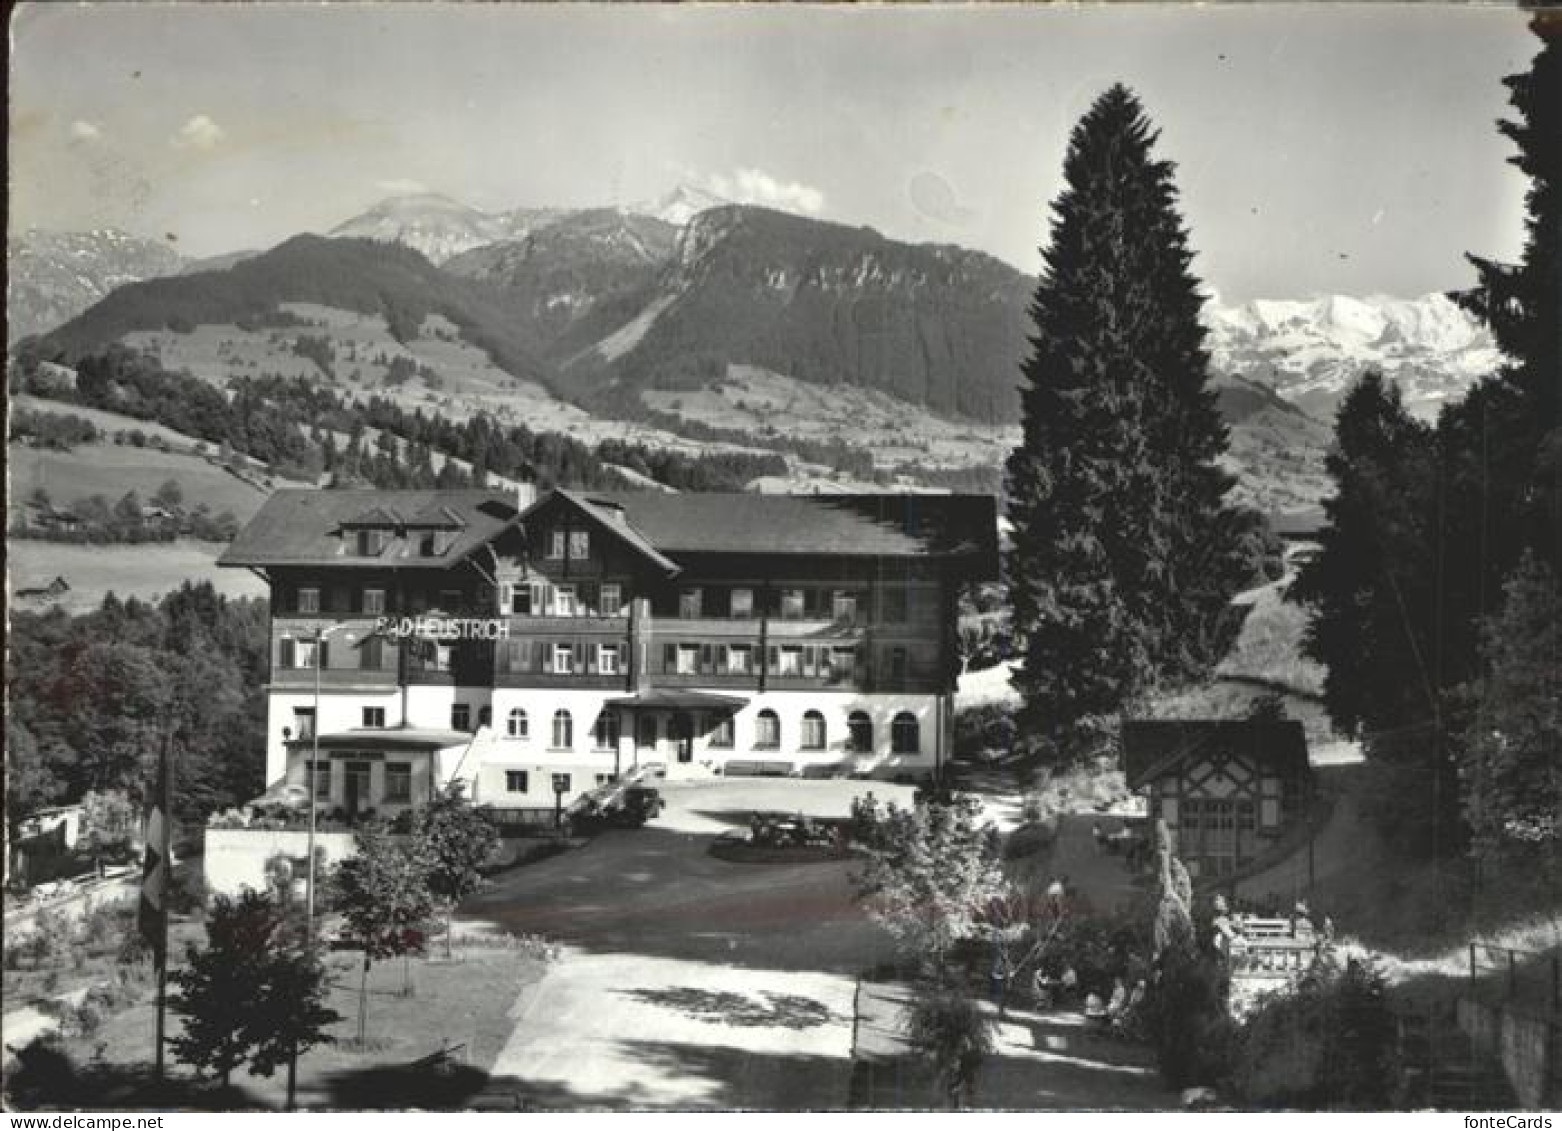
54, 276
932, 325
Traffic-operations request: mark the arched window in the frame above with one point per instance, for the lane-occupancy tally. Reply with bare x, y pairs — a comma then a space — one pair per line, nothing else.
515, 725
605, 733
563, 730
906, 734
767, 730
859, 733
813, 731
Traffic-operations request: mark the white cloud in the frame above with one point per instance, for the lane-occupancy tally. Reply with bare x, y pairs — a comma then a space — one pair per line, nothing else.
755, 186
401, 186
200, 132
83, 130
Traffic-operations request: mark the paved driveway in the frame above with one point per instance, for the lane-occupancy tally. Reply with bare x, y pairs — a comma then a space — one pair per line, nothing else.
689, 981
657, 891
628, 1031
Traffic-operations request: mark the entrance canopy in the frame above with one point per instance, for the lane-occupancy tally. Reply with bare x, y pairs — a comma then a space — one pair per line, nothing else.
383, 738
678, 699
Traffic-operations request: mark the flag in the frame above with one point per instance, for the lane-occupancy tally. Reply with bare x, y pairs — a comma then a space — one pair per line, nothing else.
152, 913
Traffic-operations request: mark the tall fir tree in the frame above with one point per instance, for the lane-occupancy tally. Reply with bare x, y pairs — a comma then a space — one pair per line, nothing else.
1124, 554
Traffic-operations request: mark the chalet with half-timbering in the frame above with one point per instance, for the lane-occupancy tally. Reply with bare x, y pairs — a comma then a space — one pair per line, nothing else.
1227, 788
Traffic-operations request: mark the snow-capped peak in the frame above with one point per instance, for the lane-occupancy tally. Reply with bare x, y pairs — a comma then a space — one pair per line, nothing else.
680, 205
1310, 350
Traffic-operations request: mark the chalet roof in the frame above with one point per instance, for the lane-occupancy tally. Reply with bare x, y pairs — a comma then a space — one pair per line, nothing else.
304, 527
375, 516
1153, 747
860, 525
436, 516
611, 517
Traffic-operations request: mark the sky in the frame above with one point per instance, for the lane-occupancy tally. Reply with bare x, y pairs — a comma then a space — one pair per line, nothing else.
1326, 149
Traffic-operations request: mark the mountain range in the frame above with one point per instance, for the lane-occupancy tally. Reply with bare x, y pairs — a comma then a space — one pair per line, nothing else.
54, 276
1309, 352
615, 310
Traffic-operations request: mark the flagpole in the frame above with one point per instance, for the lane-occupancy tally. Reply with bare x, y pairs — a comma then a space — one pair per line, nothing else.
165, 789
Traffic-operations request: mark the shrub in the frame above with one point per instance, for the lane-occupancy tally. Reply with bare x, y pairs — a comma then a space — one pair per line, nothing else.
950, 1032
985, 729
1185, 1014
1329, 1042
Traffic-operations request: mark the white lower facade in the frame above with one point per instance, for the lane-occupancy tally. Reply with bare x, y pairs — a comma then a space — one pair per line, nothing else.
523, 736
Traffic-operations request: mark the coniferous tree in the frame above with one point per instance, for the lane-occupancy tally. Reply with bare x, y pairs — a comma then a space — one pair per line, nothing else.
1512, 773
1370, 608
1124, 554
1403, 586
1374, 602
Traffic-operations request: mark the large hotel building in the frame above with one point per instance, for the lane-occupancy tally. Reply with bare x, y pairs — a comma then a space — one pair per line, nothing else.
534, 645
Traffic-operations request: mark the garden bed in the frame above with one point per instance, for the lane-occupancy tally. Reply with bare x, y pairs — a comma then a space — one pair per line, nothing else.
736, 849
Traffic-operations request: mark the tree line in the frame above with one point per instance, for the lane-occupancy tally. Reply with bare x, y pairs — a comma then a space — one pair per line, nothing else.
1435, 600
286, 423
94, 699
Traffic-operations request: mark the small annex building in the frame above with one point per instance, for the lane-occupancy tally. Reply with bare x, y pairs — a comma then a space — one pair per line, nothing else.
1228, 789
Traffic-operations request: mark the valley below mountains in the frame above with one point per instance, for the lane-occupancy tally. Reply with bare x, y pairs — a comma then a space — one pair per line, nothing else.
704, 326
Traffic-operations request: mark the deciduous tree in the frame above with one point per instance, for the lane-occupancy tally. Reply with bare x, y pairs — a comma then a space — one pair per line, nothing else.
457, 839
382, 892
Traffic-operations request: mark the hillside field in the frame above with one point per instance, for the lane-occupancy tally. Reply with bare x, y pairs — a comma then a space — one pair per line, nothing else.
111, 469
146, 571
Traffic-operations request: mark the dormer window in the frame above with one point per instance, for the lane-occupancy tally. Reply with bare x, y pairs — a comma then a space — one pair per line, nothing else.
371, 543
436, 543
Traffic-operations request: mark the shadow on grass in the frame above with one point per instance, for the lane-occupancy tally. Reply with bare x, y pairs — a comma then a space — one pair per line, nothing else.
696, 1076
46, 1078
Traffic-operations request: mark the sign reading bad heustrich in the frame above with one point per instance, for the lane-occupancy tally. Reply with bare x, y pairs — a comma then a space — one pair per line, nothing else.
443, 628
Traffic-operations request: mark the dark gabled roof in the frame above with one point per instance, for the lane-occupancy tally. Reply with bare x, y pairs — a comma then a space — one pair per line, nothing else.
303, 527
1152, 747
375, 517
611, 517
858, 525
436, 516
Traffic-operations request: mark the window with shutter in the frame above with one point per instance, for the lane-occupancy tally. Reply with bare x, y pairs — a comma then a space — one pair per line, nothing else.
325, 654
285, 653
707, 658
669, 658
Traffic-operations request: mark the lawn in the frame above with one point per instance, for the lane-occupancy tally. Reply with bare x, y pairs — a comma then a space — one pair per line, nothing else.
462, 1005
1269, 647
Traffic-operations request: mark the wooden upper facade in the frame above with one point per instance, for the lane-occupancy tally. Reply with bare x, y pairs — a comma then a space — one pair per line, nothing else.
745, 592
